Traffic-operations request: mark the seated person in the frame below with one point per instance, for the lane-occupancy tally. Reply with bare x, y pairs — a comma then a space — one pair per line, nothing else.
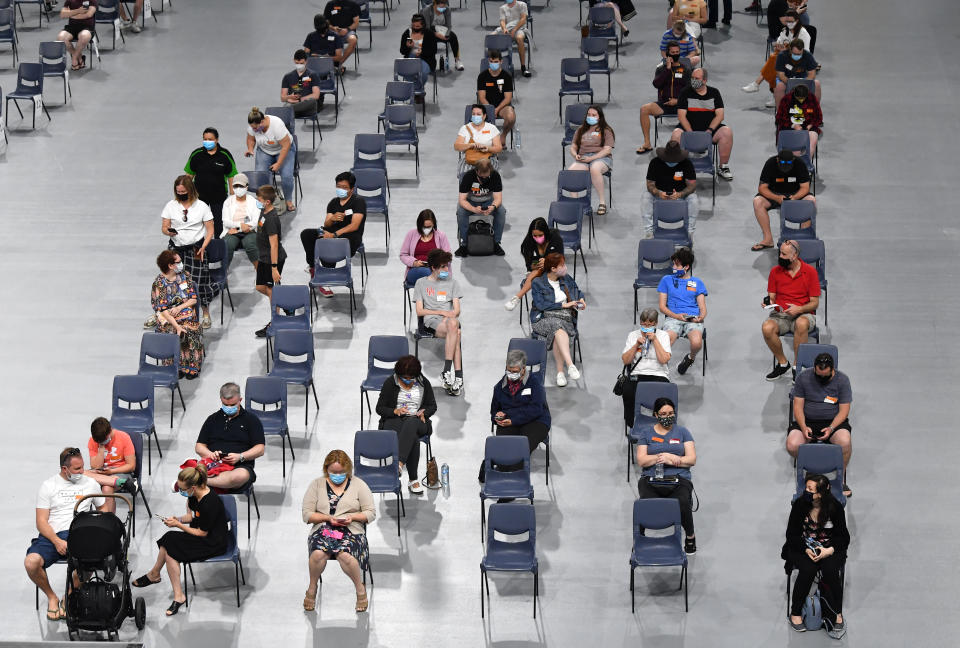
439, 20
495, 87
131, 24
324, 41
668, 448
54, 513
700, 108
821, 409
437, 298
234, 436
405, 406
677, 33
346, 217
419, 42
417, 245
694, 13
646, 356
513, 23
343, 17
793, 294
112, 461
298, 88
670, 176
795, 63
478, 139
540, 241
792, 30
556, 303
800, 110
622, 10
481, 193
672, 78
783, 177
592, 150
80, 29
683, 302
174, 300
240, 216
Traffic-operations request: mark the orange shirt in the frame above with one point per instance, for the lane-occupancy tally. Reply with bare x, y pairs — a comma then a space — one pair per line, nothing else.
119, 446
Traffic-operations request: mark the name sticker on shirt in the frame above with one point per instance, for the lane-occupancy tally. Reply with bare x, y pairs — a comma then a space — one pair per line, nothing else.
335, 11
330, 38
788, 66
792, 179
348, 212
500, 82
271, 142
674, 440
691, 285
678, 175
441, 296
678, 75
526, 392
830, 399
261, 221
183, 285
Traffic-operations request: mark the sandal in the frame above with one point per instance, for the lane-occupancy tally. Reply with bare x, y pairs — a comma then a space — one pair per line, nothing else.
57, 614
362, 601
758, 247
601, 209
644, 149
175, 607
144, 581
309, 602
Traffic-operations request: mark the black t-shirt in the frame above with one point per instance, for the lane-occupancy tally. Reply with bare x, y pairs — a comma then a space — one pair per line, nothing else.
325, 44
784, 183
267, 226
341, 13
531, 251
210, 173
494, 86
238, 434
795, 69
297, 84
700, 108
776, 10
480, 190
354, 205
210, 516
669, 178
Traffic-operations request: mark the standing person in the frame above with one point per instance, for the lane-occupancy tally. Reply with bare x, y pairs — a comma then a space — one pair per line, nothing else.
270, 252
240, 216
683, 302
275, 149
174, 302
481, 193
419, 42
646, 355
344, 18
298, 88
437, 299
495, 87
670, 176
80, 28
112, 461
592, 150
212, 167
346, 217
417, 245
513, 23
540, 241
700, 108
556, 302
713, 11
439, 20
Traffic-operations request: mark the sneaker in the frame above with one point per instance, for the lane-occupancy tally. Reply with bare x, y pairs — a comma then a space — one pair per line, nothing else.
690, 545
309, 270
415, 487
126, 485
561, 379
461, 251
798, 627
725, 172
836, 630
779, 371
150, 322
135, 28
512, 303
457, 387
125, 24
753, 86
573, 373
524, 71
498, 250
326, 292
684, 364
458, 65
446, 379
769, 103
205, 322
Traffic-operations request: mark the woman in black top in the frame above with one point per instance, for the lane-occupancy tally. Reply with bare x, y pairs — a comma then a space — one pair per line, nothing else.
202, 534
817, 541
211, 166
419, 42
540, 241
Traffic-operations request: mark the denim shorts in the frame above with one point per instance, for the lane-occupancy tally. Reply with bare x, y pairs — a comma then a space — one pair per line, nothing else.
45, 549
680, 328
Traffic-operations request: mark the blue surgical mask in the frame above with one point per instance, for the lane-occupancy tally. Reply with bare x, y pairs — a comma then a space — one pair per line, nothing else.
338, 478
679, 273
207, 144
230, 410
796, 57
443, 274
258, 204
342, 193
647, 329
671, 164
592, 121
493, 65
508, 1
476, 119
184, 493
441, 9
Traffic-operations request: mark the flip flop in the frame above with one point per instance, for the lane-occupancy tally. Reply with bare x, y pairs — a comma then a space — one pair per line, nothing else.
644, 149
58, 614
144, 581
761, 246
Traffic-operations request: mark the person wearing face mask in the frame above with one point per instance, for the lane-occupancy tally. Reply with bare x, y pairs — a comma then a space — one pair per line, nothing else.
480, 198
346, 217
671, 78
540, 241
513, 23
240, 216
677, 33
270, 253
112, 460
700, 108
495, 88
683, 302
783, 177
800, 110
405, 405
821, 408
298, 88
54, 513
671, 447
478, 140
646, 355
670, 176
439, 20
792, 30
592, 150
234, 436
419, 42
212, 167
199, 534
793, 294
417, 245
817, 540
795, 63
437, 297
275, 149
339, 506
324, 41
557, 302
174, 299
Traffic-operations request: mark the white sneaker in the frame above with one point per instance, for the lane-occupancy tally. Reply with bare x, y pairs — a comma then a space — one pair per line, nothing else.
459, 66
751, 87
415, 487
770, 103
561, 379
446, 379
150, 322
725, 172
457, 387
512, 303
135, 28
573, 373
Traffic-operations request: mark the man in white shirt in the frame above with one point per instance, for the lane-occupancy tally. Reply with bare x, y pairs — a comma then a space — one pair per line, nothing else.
513, 23
55, 501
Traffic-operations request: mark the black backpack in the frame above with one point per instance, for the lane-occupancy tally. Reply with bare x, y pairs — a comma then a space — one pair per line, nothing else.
480, 241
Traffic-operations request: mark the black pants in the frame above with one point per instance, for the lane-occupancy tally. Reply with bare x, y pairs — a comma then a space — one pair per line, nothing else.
630, 395
454, 44
683, 493
308, 238
216, 206
712, 10
831, 585
409, 429
536, 433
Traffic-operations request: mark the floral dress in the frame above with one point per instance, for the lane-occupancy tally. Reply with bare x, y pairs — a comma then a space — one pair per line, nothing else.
166, 294
354, 544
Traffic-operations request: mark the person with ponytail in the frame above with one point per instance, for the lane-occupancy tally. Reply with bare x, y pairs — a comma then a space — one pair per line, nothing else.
275, 150
556, 302
199, 534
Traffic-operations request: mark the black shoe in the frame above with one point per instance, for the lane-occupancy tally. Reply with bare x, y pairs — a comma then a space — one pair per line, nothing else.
624, 33
498, 250
193, 376
524, 71
846, 490
778, 372
710, 25
753, 8
461, 251
690, 545
126, 485
262, 333
684, 364
726, 21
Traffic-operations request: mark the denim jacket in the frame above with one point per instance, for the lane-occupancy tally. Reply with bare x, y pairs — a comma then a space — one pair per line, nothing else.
543, 297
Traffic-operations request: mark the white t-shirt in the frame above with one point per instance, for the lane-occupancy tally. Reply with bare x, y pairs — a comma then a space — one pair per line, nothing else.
236, 212
649, 365
558, 294
59, 496
191, 230
483, 134
511, 13
269, 140
787, 35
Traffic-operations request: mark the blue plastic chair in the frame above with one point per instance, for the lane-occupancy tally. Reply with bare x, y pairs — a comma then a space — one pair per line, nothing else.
8, 30
325, 77
821, 459
806, 355
574, 81
366, 19
219, 263
383, 351
408, 69
397, 92
53, 58
387, 4
799, 140
794, 214
536, 351
137, 441
657, 551
512, 520
594, 49
671, 222
29, 88
266, 398
132, 411
332, 251
107, 13
647, 394
793, 83
503, 44
41, 10
814, 252
400, 128
703, 154
370, 152
290, 309
576, 186
491, 115
257, 179
653, 264
504, 451
567, 219
288, 347
573, 117
232, 554
603, 25
372, 187
379, 445
155, 349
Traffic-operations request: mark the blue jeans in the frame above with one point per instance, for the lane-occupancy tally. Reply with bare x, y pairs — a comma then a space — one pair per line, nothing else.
264, 160
463, 221
416, 273
424, 74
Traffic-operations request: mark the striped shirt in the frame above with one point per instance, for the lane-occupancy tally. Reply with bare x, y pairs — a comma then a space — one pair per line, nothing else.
701, 109
687, 46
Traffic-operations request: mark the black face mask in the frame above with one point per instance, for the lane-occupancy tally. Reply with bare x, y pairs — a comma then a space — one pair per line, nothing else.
785, 166
823, 380
183, 197
785, 263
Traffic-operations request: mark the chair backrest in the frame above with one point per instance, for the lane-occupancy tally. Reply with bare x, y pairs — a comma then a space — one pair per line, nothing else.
647, 394
332, 251
257, 179
566, 217
369, 151
794, 214
793, 83
814, 252
506, 451
696, 142
291, 298
594, 49
286, 114
656, 513
30, 78
321, 66
372, 187
808, 352
654, 254
670, 215
574, 186
821, 459
293, 343
137, 440
383, 351
500, 42
132, 393
8, 27
376, 445
6, 4
601, 17
400, 117
408, 69
230, 509
106, 11
491, 115
53, 57
398, 92
159, 347
574, 73
512, 520
573, 117
218, 260
536, 351
266, 398
793, 140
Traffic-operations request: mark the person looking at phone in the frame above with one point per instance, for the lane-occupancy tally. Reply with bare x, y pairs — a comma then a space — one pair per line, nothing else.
481, 194
793, 294
683, 302
174, 299
646, 355
821, 410
671, 78
677, 33
817, 541
437, 302
783, 177
346, 217
419, 42
557, 302
670, 176
339, 506
112, 461
541, 240
234, 436
299, 89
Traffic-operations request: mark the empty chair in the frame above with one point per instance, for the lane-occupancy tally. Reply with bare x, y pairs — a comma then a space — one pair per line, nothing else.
514, 553
400, 128
645, 394
703, 153
382, 447
536, 351
576, 186
369, 152
293, 362
108, 14
53, 58
325, 77
567, 219
814, 252
821, 459
160, 361
671, 222
8, 30
574, 80
29, 88
594, 49
383, 351
506, 467
291, 310
653, 264
266, 398
332, 266
603, 25
798, 220
372, 187
132, 411
657, 551
408, 69
397, 92
573, 117
232, 554
41, 10
219, 263
257, 179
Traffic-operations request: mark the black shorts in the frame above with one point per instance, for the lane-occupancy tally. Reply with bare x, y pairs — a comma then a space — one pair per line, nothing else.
265, 272
74, 30
667, 110
816, 425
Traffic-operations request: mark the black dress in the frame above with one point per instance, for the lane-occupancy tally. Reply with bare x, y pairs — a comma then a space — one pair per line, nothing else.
209, 516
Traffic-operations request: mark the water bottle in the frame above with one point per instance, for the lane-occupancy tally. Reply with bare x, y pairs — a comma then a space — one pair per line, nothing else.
516, 138
658, 471
444, 475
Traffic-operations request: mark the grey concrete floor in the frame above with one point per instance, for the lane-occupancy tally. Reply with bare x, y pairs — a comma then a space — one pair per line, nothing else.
81, 198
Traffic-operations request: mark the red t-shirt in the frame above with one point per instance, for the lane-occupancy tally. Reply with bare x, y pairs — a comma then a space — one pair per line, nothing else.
423, 248
120, 446
794, 291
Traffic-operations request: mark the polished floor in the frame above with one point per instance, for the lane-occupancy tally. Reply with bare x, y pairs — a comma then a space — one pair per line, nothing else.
81, 199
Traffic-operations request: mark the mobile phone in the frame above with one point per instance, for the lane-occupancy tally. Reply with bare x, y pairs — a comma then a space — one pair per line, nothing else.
158, 516
172, 231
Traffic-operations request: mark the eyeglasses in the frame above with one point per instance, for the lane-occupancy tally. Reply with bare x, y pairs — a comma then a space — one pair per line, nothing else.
184, 215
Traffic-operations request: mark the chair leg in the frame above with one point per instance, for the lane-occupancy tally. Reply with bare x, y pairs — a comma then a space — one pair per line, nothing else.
686, 591
293, 457
483, 519
192, 579
172, 405
306, 405
180, 393
582, 258
143, 496
157, 439
236, 579
633, 608
283, 451
248, 516
481, 596
536, 591
547, 447
186, 594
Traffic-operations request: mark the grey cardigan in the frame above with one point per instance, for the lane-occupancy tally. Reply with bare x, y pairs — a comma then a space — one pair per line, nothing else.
356, 499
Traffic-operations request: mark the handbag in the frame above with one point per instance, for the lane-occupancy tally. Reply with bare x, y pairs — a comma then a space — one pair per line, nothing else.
471, 156
432, 479
624, 377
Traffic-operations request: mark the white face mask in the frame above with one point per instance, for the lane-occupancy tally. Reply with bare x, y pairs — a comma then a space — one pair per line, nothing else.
239, 192
178, 267
791, 24
74, 477
300, 67
427, 230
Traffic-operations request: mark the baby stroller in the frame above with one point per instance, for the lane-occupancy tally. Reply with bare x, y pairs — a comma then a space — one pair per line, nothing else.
98, 590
